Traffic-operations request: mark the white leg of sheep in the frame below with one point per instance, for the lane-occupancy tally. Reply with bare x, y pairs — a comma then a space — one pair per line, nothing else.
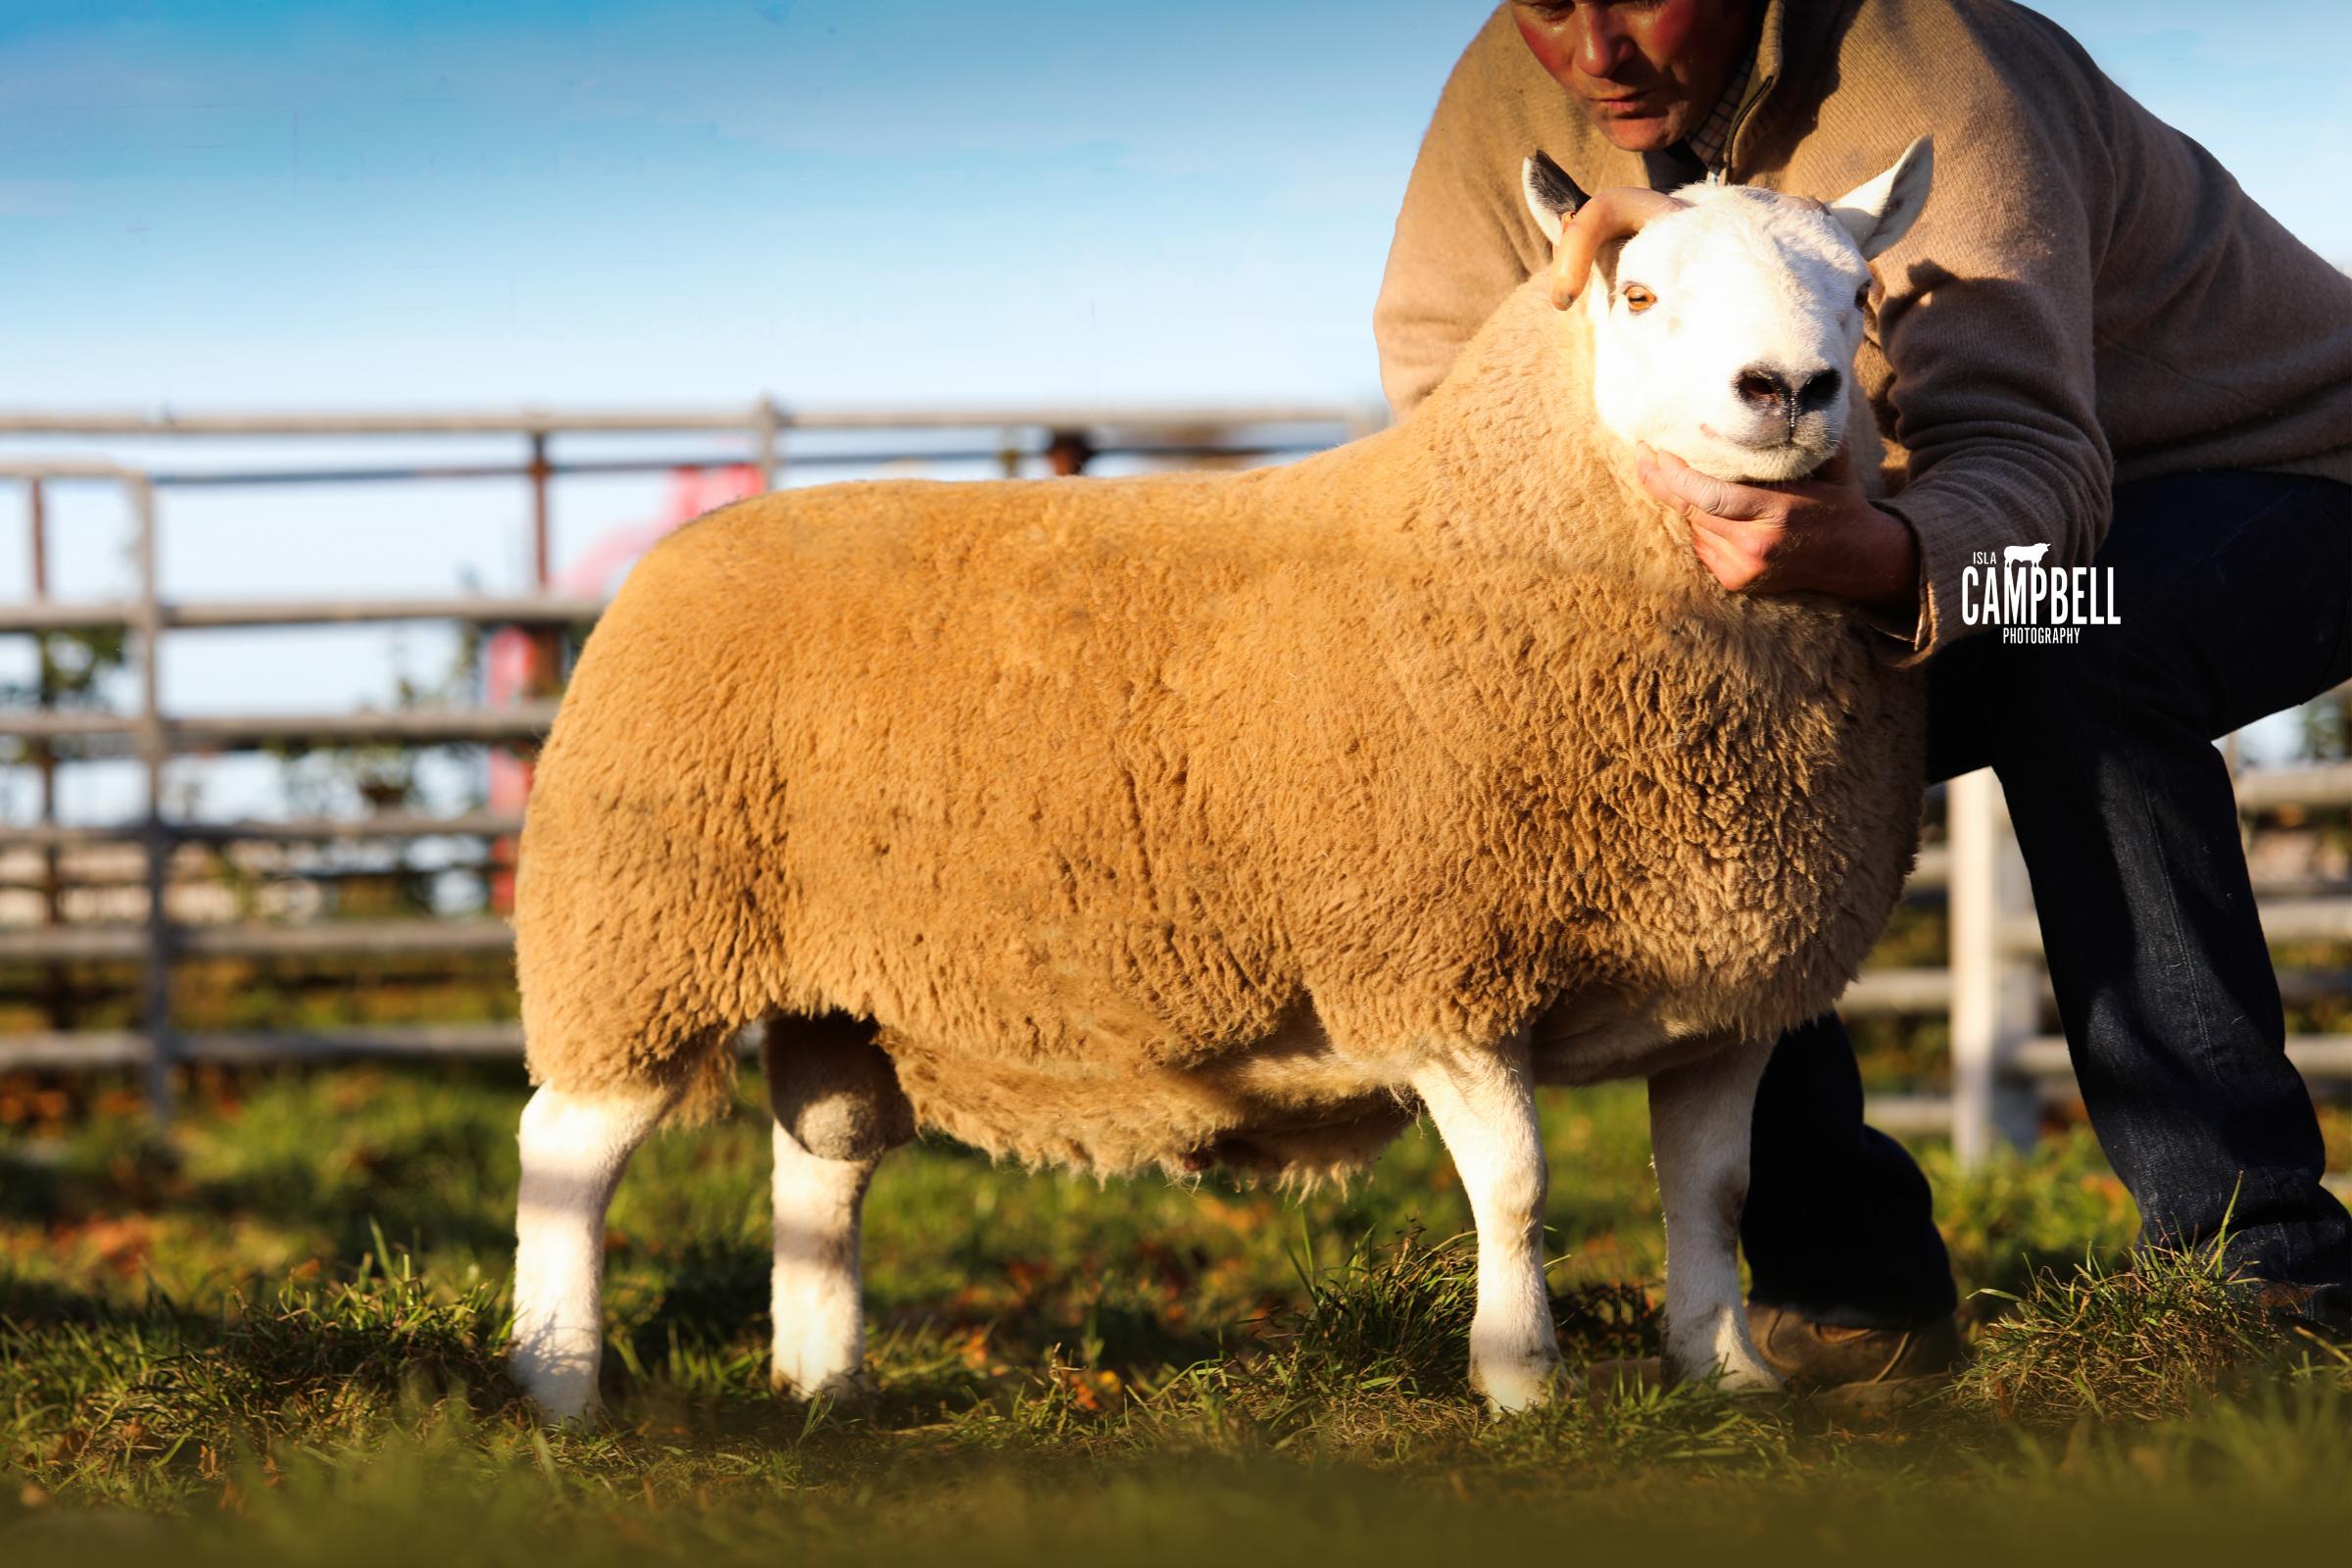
1484, 1104
819, 1325
574, 1148
1699, 1116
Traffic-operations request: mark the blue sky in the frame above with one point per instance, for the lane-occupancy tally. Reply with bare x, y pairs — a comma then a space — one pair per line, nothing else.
869, 202
833, 200
838, 201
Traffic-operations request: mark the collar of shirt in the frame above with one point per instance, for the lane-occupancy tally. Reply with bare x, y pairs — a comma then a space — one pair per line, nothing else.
1710, 141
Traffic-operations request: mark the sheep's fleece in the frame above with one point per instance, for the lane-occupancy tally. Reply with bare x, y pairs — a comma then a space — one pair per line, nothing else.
1175, 819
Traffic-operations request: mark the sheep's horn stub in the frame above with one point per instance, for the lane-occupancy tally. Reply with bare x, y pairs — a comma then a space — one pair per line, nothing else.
1611, 215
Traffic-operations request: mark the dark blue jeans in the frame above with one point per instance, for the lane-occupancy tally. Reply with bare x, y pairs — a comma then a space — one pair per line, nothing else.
2235, 596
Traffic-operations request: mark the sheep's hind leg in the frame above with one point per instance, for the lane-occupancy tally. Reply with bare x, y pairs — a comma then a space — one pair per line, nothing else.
819, 1323
1485, 1107
575, 1148
1699, 1116
838, 1112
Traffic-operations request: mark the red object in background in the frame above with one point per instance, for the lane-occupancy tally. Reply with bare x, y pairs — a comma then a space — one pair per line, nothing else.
511, 661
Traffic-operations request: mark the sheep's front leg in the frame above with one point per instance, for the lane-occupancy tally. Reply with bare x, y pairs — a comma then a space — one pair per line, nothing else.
1484, 1104
575, 1148
819, 1323
1699, 1114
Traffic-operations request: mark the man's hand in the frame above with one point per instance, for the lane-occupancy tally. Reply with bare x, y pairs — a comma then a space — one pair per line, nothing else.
1819, 534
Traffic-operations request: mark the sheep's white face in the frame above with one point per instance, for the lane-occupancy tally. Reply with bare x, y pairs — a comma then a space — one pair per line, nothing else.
1724, 330
1725, 333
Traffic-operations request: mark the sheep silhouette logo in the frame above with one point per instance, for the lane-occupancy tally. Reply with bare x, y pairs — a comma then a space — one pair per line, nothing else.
2031, 602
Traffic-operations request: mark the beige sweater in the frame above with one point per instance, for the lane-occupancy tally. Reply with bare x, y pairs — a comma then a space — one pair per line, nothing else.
2088, 299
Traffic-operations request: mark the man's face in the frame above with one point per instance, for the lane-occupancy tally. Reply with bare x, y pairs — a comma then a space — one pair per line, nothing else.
1646, 70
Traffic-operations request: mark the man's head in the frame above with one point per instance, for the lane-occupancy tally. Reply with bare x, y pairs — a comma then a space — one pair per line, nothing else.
1646, 70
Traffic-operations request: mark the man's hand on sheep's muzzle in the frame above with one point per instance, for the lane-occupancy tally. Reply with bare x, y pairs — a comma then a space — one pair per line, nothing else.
1819, 534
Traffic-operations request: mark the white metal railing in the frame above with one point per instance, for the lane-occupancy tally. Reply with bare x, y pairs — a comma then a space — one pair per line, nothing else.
2002, 1066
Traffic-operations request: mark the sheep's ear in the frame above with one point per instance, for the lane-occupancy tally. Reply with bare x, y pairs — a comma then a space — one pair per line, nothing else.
1550, 194
1882, 211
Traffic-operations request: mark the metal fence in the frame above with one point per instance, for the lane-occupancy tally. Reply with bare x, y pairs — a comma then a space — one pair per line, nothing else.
1993, 989
762, 435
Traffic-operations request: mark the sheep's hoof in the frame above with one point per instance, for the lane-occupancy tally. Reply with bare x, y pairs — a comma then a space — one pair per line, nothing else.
1738, 1375
586, 1418
1751, 1378
566, 1411
1513, 1386
838, 1389
563, 1388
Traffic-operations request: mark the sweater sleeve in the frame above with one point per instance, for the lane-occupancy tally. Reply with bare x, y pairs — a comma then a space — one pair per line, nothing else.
1458, 249
1988, 325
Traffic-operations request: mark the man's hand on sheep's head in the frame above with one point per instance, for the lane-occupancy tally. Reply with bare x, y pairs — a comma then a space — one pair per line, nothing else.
1604, 219
1819, 534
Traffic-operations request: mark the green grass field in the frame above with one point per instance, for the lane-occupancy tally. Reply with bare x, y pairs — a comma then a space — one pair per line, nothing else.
274, 1334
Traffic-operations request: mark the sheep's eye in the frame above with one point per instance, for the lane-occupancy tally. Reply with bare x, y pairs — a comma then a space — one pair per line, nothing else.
1862, 298
1639, 299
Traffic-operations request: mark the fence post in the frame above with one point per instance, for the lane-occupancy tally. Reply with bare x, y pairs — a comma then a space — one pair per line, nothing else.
155, 750
1994, 1001
55, 983
768, 429
546, 642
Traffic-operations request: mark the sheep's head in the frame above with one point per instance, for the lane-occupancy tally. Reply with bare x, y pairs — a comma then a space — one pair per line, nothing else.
1725, 317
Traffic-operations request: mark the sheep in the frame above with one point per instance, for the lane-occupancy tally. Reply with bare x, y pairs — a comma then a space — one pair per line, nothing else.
1237, 819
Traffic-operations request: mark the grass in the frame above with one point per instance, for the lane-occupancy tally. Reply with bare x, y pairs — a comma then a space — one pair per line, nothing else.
2148, 1341
274, 1333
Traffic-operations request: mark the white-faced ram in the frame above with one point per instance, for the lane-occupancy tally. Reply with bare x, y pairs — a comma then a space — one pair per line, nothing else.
1239, 818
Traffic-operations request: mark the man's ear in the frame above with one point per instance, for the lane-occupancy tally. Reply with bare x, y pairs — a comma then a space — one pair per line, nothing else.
1882, 211
1550, 194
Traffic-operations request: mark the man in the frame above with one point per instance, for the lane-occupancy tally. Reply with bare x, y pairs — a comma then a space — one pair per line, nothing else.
2091, 342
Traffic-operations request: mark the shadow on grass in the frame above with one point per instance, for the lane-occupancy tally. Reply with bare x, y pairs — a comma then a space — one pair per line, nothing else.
42, 1303
710, 1306
124, 1392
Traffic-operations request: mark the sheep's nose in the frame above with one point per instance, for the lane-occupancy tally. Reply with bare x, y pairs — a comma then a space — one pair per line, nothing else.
1770, 390
1763, 390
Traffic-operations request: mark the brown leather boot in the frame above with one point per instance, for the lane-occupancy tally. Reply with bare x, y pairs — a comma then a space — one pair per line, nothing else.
1857, 1369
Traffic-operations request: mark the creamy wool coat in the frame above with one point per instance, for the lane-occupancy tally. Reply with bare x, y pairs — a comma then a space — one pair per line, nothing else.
1179, 819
